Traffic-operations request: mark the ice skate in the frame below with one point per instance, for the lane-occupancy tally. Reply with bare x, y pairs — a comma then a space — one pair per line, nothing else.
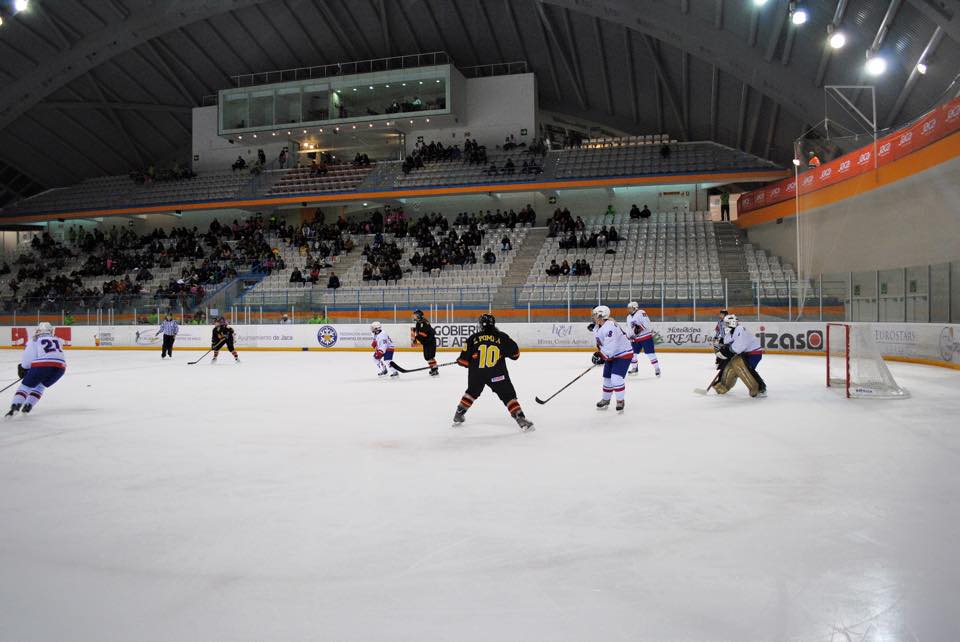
525, 424
214, 360
383, 372
434, 372
620, 405
657, 372
14, 409
603, 404
236, 360
633, 370
26, 409
459, 417
395, 373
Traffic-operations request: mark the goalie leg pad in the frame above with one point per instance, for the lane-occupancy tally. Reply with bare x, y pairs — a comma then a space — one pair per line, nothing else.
738, 366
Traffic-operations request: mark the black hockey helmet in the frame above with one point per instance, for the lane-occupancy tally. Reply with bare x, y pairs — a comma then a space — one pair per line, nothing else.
418, 314
487, 321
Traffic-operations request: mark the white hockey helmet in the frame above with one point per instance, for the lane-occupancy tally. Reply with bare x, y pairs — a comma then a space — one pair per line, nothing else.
376, 327
633, 306
601, 311
43, 329
731, 321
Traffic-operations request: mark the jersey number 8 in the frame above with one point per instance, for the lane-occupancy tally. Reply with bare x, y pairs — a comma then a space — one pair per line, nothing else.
489, 356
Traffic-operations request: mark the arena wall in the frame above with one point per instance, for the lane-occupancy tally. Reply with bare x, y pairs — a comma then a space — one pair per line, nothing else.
932, 344
910, 222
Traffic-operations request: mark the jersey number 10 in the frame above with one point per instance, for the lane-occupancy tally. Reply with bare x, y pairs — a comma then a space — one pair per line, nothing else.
489, 356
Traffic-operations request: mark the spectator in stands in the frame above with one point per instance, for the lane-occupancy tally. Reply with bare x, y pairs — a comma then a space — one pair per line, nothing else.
239, 163
579, 225
333, 282
505, 244
489, 257
314, 274
282, 158
645, 212
565, 268
612, 213
813, 160
261, 157
665, 151
296, 276
634, 212
492, 170
285, 319
509, 167
554, 269
367, 273
613, 236
602, 236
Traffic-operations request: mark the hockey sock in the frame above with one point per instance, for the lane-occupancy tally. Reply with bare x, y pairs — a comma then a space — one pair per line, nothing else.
432, 363
653, 359
617, 386
633, 361
466, 401
513, 407
20, 396
607, 389
33, 398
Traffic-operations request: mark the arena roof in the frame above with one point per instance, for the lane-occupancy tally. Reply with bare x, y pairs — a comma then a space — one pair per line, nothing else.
101, 87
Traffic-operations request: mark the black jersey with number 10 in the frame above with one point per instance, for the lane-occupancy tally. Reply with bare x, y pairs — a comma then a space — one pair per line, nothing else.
487, 351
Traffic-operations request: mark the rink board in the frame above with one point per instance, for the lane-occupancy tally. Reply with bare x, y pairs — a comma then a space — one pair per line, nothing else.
936, 344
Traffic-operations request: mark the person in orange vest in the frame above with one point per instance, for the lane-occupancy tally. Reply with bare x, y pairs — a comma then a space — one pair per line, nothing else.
813, 161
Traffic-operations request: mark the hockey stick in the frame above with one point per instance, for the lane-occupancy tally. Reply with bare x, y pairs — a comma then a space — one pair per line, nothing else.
12, 384
716, 380
393, 364
190, 363
543, 401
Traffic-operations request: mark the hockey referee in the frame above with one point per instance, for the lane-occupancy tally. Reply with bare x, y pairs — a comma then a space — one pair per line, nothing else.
169, 328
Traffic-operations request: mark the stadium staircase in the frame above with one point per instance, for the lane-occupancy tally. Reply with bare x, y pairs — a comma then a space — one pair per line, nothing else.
733, 264
520, 269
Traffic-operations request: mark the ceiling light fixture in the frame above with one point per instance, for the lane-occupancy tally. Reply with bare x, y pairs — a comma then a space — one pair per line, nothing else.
21, 5
837, 39
759, 3
921, 68
798, 13
876, 65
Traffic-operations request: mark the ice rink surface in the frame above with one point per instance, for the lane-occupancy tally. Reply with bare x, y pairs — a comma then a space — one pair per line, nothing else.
299, 497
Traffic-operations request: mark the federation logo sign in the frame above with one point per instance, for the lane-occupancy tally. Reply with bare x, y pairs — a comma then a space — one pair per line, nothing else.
327, 336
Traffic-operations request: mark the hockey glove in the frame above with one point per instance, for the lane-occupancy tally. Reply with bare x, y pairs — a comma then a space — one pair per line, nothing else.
597, 358
21, 371
378, 355
591, 326
725, 352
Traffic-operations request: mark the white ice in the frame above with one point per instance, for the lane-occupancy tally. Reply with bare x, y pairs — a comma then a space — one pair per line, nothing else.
299, 497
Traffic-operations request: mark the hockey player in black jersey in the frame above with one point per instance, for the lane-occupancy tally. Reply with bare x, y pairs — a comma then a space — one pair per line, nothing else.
424, 335
222, 336
484, 355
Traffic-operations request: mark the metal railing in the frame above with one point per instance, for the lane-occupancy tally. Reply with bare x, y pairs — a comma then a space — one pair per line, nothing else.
495, 69
372, 65
917, 294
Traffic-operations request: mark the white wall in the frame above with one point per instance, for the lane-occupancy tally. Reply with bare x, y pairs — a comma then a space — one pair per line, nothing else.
211, 153
495, 108
914, 221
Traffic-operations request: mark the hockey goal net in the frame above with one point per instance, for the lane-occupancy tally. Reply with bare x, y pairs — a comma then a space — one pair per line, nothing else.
854, 363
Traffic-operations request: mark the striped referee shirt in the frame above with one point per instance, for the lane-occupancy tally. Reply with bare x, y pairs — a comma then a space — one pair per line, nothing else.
169, 327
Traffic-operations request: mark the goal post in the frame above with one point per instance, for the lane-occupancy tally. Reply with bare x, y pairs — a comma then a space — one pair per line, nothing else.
855, 364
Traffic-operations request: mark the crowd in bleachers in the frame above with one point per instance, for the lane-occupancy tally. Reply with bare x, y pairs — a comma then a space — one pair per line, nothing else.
176, 172
580, 267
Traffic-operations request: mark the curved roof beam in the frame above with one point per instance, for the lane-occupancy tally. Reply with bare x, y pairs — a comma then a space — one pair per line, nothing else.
700, 39
97, 48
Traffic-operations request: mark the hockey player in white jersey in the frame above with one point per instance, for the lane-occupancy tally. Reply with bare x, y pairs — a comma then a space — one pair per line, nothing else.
614, 352
640, 333
382, 345
741, 352
41, 365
